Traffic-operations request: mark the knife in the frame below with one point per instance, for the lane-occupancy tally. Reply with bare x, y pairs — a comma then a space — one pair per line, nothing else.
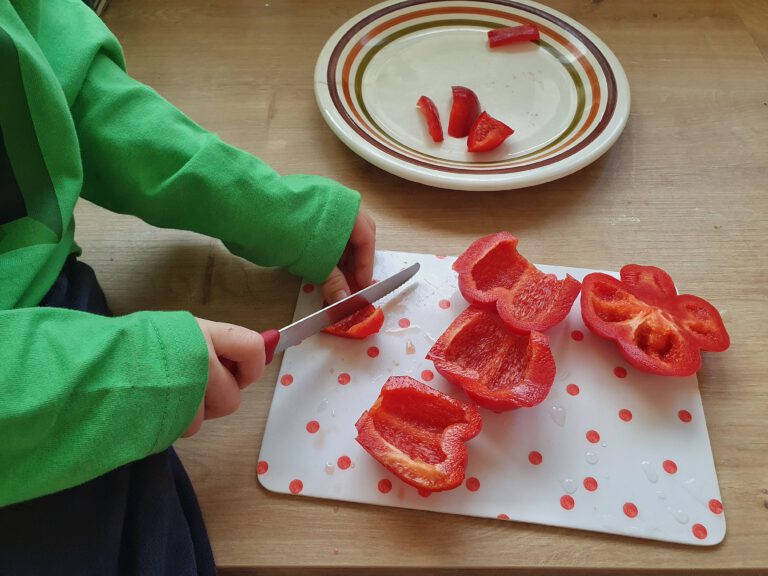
275, 341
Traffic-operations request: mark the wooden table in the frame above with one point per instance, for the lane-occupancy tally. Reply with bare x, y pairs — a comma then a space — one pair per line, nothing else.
684, 188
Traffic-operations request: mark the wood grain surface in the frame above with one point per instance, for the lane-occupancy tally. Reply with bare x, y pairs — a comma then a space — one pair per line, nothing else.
684, 188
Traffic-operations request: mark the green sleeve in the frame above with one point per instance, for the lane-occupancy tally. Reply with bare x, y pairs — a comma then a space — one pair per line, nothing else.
83, 394
142, 156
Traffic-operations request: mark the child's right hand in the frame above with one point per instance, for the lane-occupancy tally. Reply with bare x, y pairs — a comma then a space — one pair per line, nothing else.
235, 361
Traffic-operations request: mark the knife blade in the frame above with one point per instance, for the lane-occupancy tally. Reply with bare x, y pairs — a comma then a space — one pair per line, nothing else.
275, 341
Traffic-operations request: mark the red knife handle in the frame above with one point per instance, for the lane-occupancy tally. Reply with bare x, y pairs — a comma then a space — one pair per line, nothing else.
271, 338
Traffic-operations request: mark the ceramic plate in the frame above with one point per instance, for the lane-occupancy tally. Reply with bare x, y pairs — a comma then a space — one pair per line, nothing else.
566, 96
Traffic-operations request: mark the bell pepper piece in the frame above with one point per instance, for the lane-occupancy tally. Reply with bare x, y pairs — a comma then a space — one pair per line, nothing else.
419, 433
497, 368
656, 330
512, 34
362, 323
464, 111
359, 325
494, 276
487, 133
429, 110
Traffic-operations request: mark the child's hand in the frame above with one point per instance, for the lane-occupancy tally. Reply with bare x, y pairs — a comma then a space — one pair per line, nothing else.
357, 260
235, 360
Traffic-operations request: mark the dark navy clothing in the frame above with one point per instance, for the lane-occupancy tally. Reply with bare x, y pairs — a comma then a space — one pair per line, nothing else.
141, 519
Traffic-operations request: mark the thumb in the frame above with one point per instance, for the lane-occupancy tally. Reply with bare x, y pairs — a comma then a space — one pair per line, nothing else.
335, 288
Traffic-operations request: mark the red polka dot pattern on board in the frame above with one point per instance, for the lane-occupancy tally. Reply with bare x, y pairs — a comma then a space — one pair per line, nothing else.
424, 493
296, 486
444, 304
373, 351
577, 335
344, 379
684, 416
716, 506
535, 457
262, 467
699, 530
625, 415
593, 436
567, 502
313, 426
473, 484
590, 484
286, 380
385, 485
308, 288
344, 462
669, 466
572, 389
630, 510
502, 517
427, 375
403, 322
620, 372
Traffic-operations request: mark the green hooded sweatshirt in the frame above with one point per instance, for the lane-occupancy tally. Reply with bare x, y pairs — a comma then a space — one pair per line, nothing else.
82, 394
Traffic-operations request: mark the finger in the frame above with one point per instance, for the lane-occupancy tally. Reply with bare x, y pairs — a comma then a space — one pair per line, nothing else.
363, 240
335, 288
222, 397
242, 346
197, 422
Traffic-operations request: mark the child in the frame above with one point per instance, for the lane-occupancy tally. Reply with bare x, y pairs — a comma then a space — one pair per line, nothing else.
89, 404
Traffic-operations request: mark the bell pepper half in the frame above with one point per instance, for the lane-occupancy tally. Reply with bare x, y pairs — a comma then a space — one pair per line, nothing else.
656, 330
493, 275
464, 111
419, 434
497, 368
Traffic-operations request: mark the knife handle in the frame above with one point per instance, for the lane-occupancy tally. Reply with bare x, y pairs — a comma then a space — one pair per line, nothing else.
271, 338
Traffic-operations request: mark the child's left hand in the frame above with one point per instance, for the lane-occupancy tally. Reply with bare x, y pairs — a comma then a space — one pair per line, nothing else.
357, 260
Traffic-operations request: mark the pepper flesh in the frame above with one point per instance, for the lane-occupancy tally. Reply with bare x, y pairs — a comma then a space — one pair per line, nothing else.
493, 275
432, 118
419, 433
497, 368
512, 34
656, 330
362, 323
487, 133
464, 111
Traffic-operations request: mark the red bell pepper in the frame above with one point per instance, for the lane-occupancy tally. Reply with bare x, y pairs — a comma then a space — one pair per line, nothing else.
428, 108
656, 329
487, 133
512, 34
418, 433
496, 367
494, 276
464, 111
362, 323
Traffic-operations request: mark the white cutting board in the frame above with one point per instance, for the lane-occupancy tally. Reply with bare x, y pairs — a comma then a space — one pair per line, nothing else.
536, 465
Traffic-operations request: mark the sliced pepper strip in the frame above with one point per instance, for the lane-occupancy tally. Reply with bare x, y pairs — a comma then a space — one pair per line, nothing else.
512, 34
418, 433
359, 325
493, 275
496, 367
656, 330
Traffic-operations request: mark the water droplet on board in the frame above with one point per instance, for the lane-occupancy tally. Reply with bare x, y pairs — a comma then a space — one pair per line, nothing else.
558, 414
679, 515
591, 458
409, 347
696, 490
649, 471
330, 468
661, 495
323, 405
333, 413
603, 444
569, 486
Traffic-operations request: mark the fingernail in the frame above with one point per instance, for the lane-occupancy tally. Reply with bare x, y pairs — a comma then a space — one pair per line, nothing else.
338, 295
